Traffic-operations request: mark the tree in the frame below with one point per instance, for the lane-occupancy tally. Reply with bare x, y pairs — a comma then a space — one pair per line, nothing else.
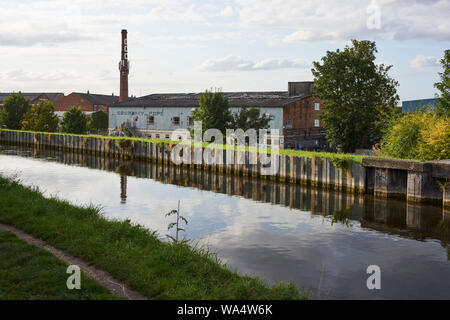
214, 111
249, 118
444, 85
14, 108
99, 121
41, 118
359, 96
74, 121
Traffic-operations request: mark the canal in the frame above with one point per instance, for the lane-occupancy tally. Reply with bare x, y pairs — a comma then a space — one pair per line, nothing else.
320, 240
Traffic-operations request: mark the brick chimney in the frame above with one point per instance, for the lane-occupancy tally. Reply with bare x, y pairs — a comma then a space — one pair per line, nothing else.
124, 68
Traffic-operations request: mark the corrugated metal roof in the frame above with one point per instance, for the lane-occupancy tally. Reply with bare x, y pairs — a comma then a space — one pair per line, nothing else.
235, 99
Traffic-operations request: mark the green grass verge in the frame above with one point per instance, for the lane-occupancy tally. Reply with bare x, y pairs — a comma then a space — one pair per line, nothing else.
130, 252
31, 273
290, 152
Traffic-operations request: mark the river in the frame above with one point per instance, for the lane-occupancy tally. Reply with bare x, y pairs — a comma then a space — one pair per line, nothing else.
320, 240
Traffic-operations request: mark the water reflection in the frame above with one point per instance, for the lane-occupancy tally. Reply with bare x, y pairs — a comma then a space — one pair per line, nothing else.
321, 240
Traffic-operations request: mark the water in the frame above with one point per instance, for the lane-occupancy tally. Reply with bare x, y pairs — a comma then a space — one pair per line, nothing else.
322, 241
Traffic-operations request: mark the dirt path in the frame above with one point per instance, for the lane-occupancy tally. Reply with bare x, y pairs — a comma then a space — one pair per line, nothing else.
115, 286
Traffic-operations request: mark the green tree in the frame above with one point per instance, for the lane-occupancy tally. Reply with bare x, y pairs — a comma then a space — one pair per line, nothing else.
250, 118
359, 96
41, 118
214, 111
14, 108
99, 121
444, 85
74, 121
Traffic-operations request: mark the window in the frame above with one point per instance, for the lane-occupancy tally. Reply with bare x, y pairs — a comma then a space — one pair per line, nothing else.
151, 120
176, 121
288, 124
157, 136
317, 106
190, 121
149, 136
316, 123
167, 136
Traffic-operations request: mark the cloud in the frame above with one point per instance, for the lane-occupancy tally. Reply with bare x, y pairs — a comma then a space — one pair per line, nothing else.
326, 20
227, 12
421, 61
237, 63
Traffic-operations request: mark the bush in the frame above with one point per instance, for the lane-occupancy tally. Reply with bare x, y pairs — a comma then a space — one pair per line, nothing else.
13, 111
420, 136
41, 118
74, 121
99, 121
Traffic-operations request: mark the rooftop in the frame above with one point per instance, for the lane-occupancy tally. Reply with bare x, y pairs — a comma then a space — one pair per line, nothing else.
235, 99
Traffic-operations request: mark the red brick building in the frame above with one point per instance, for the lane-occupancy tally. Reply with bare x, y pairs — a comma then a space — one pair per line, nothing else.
302, 127
88, 102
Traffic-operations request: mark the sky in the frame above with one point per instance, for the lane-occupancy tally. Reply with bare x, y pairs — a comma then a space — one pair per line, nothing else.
234, 45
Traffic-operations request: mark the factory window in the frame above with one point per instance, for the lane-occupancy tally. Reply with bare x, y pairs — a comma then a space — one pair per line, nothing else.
316, 123
151, 120
176, 121
190, 121
317, 106
288, 124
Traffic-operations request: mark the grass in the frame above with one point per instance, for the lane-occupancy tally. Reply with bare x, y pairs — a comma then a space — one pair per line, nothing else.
30, 273
129, 252
290, 152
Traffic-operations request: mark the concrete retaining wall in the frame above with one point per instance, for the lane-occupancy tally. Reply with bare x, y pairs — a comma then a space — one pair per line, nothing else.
385, 178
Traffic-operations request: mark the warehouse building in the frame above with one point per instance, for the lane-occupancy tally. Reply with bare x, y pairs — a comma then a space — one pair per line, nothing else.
295, 113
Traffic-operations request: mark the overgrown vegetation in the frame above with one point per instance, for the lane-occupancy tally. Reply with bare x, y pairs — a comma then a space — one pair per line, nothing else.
30, 273
130, 252
420, 135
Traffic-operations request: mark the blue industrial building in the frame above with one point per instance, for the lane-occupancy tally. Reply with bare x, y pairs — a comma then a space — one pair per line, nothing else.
415, 105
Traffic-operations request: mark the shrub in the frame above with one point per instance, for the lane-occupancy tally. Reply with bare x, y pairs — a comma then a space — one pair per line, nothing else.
420, 136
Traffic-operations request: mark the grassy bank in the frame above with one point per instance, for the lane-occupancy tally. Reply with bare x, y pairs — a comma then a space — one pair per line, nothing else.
298, 153
28, 272
130, 252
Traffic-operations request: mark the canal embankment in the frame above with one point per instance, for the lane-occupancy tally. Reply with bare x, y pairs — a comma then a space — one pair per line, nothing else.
413, 181
129, 252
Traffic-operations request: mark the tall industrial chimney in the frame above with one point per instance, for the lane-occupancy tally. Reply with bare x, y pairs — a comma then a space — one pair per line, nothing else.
124, 68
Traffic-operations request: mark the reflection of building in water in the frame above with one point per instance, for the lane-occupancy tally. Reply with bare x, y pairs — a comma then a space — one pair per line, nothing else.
123, 189
399, 217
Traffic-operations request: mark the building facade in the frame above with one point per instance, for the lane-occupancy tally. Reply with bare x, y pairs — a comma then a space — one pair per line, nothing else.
415, 105
294, 114
88, 102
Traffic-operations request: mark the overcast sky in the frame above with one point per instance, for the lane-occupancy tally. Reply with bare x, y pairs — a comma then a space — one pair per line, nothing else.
189, 46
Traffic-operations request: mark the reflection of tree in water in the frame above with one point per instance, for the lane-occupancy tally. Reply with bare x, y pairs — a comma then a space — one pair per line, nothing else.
444, 225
